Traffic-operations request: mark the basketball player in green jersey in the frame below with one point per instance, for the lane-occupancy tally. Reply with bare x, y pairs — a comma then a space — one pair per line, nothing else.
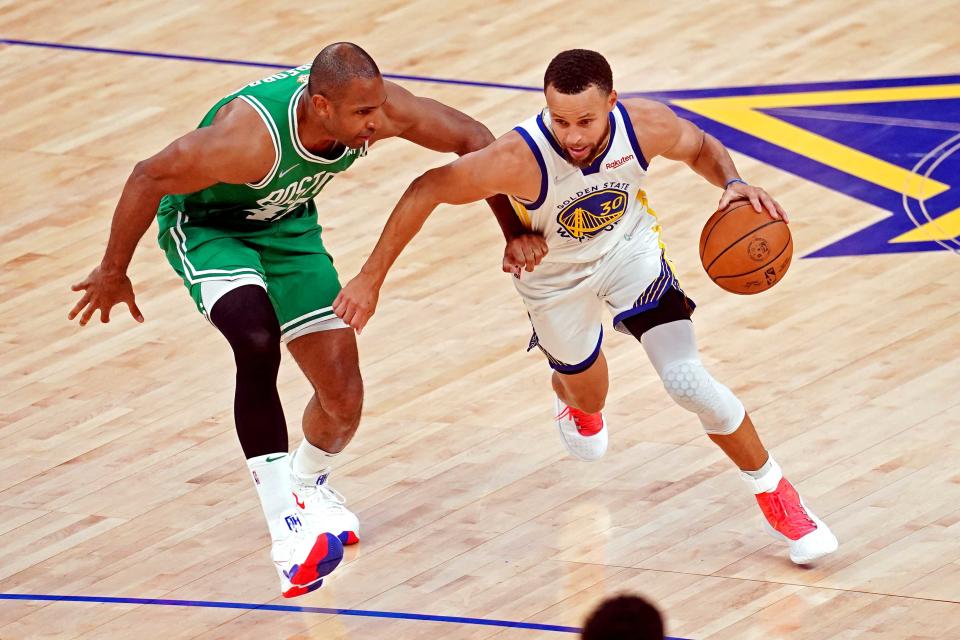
234, 202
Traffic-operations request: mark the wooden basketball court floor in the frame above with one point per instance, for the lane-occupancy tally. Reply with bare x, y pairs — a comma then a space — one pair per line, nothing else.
126, 509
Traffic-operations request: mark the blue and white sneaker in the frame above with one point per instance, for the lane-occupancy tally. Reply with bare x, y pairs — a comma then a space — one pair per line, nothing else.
323, 508
304, 557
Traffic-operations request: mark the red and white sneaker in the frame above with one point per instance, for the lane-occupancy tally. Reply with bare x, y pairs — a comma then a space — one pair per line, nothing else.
788, 519
304, 557
583, 434
323, 508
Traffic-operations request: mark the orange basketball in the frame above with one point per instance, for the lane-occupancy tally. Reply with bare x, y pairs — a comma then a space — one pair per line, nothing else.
744, 251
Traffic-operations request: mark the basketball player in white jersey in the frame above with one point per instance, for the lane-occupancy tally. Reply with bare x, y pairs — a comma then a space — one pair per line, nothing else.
575, 173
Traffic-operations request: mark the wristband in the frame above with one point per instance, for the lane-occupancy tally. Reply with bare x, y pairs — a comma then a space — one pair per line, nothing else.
741, 181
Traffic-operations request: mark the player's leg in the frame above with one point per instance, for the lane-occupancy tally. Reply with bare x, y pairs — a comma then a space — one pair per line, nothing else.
226, 280
245, 316
303, 285
671, 346
567, 329
242, 311
584, 390
330, 362
660, 319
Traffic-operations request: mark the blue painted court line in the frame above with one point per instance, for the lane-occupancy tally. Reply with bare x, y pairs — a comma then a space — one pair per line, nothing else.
250, 606
250, 63
763, 89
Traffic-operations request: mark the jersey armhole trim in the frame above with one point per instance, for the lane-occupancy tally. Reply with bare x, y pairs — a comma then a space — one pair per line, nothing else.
274, 137
632, 136
543, 169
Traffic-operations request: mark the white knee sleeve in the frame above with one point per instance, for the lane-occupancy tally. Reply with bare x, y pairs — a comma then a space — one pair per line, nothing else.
689, 384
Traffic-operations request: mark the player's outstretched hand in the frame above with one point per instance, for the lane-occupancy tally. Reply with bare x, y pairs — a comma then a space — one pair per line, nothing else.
357, 301
756, 196
102, 290
524, 252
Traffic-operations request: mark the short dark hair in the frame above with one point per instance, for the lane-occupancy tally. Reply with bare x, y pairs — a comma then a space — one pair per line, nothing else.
336, 65
574, 70
624, 617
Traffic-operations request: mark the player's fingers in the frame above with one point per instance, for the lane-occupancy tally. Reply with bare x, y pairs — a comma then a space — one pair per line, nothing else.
755, 201
770, 206
77, 308
87, 314
357, 320
105, 315
783, 212
342, 304
724, 200
83, 284
134, 310
347, 313
775, 207
357, 316
529, 260
513, 258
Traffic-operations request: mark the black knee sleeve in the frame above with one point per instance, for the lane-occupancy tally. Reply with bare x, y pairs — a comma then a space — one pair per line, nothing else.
247, 320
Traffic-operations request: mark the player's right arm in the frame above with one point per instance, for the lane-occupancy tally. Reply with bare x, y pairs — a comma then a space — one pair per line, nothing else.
506, 166
235, 149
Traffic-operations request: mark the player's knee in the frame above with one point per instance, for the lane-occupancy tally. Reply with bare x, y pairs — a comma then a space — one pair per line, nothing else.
694, 389
256, 347
346, 405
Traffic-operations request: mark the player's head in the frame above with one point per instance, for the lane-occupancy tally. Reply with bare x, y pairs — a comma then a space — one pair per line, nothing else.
579, 87
624, 618
346, 90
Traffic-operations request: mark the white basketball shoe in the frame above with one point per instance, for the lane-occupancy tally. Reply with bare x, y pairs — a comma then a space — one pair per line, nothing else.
583, 434
788, 519
304, 557
322, 508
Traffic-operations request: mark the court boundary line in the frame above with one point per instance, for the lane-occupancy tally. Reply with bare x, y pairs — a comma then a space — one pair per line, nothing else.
249, 63
287, 608
284, 608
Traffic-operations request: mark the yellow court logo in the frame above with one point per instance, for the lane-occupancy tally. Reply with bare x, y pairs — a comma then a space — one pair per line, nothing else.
893, 144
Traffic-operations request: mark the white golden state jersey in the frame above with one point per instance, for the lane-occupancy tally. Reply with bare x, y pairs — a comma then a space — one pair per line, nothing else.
584, 213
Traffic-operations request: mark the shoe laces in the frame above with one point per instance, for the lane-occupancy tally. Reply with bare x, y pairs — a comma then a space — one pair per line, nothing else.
588, 424
323, 497
785, 512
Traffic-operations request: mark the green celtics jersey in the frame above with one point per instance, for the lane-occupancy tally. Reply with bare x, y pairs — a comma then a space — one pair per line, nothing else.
288, 188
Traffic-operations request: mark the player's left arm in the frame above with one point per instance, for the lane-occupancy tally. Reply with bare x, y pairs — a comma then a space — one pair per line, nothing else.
661, 132
436, 126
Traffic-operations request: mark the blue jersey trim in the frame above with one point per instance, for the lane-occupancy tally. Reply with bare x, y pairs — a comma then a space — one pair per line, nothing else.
543, 169
598, 161
549, 136
650, 297
632, 136
579, 367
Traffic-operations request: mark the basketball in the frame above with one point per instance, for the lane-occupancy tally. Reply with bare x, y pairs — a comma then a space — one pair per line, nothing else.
744, 251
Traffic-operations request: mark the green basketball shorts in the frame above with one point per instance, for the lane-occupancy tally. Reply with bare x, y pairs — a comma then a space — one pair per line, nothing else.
287, 258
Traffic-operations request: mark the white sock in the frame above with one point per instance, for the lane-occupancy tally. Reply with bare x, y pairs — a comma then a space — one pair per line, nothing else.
309, 460
271, 475
765, 479
762, 471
